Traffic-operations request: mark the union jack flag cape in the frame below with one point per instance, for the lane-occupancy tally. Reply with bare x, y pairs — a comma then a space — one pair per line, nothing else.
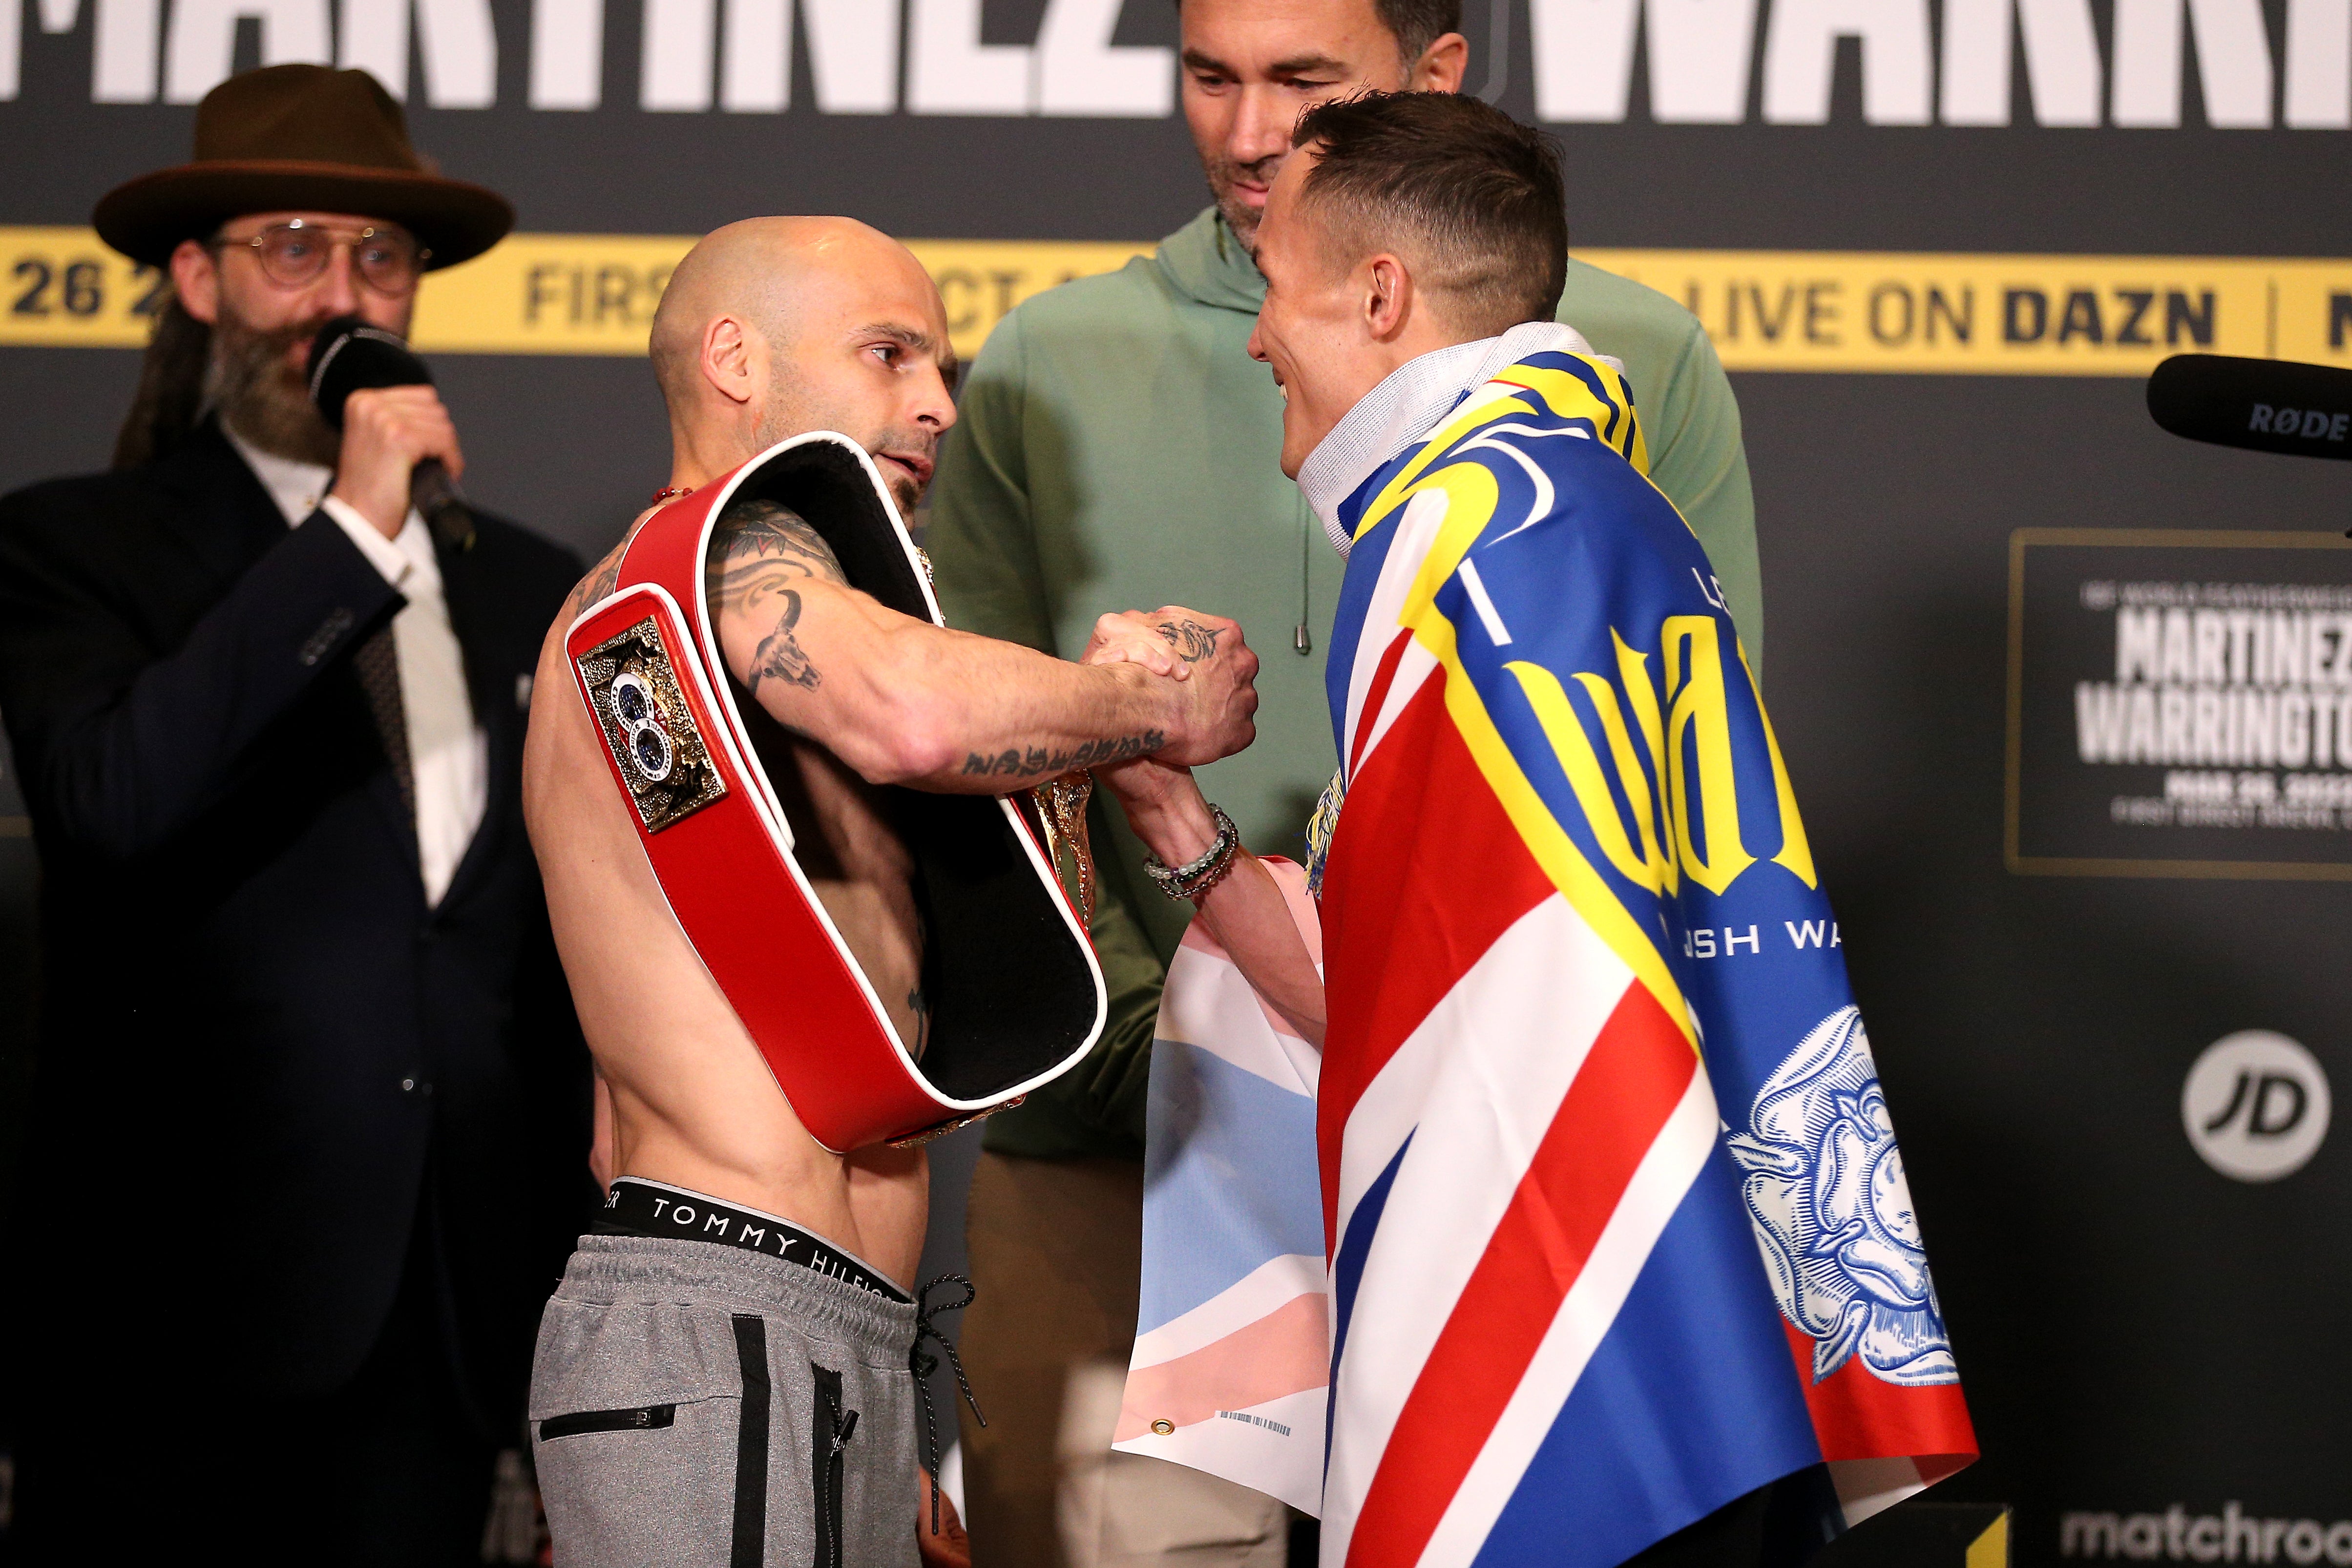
1615, 1225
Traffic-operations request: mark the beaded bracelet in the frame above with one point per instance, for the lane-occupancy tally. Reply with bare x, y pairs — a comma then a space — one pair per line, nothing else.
1196, 877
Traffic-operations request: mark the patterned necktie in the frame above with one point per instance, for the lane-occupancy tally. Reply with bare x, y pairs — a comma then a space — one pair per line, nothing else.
378, 663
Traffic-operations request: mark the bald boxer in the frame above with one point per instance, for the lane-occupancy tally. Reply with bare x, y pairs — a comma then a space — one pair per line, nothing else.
657, 1354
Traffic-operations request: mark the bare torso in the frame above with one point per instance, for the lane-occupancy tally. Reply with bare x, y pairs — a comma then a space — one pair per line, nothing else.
852, 854
691, 1102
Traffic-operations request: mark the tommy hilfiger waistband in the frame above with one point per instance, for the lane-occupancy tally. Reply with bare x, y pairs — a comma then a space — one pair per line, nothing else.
639, 1207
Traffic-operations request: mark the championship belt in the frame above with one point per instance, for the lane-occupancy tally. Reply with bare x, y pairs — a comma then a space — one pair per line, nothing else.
1015, 994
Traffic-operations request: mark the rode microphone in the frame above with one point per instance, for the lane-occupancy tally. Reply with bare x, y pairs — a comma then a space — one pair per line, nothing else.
2262, 406
351, 354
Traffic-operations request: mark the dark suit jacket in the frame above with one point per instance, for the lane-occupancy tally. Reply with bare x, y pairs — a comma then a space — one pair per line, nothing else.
262, 1057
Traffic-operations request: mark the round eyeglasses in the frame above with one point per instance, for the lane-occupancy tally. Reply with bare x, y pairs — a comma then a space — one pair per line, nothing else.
295, 253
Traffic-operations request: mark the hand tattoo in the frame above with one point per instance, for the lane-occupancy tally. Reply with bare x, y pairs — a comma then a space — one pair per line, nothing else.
1193, 642
781, 656
1038, 762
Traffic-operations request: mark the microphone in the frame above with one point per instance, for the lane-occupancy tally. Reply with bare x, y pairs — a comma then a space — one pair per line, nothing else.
2262, 405
351, 354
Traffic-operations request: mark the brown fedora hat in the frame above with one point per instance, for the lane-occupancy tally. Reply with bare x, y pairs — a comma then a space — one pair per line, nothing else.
301, 138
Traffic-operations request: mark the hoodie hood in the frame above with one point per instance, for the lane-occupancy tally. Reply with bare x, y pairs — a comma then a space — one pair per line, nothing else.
1206, 262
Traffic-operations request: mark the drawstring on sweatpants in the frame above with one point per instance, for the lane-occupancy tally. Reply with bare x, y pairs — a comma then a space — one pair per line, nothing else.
922, 1364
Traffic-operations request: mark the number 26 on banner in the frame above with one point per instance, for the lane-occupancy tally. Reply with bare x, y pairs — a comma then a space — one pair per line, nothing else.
72, 294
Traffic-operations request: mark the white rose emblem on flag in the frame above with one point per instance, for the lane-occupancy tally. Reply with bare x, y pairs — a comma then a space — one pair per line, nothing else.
1833, 1214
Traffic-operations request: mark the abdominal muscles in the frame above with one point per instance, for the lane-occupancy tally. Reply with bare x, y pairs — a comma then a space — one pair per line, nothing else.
693, 1101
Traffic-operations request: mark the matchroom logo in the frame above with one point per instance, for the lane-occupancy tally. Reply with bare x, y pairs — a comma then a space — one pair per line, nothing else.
2180, 704
2176, 1535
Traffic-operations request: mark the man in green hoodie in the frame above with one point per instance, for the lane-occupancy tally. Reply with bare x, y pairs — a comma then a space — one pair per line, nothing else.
1118, 447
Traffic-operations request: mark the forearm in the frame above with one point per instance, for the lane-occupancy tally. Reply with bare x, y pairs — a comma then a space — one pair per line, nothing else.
1244, 911
904, 702
1247, 915
1008, 717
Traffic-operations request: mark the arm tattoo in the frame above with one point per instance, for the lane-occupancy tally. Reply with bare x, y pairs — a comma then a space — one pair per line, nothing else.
598, 585
760, 552
761, 546
1193, 642
781, 656
762, 549
1043, 762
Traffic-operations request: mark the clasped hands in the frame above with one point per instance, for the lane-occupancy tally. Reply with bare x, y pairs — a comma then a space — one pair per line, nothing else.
1162, 803
1246, 911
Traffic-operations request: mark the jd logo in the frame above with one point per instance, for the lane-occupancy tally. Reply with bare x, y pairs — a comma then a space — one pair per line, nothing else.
2255, 1105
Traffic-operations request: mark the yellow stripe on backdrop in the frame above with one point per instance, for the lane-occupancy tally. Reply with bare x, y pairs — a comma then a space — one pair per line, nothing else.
1998, 315
1842, 311
534, 293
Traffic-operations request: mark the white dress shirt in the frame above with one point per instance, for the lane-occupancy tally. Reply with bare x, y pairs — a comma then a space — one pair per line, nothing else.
449, 753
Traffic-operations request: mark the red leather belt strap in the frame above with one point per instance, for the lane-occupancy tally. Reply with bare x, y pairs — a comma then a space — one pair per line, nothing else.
1016, 995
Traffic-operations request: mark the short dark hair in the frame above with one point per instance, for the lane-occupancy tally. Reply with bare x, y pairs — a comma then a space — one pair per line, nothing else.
1414, 23
1417, 24
1475, 193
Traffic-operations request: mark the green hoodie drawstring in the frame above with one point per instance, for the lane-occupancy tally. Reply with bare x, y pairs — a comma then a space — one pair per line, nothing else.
1300, 638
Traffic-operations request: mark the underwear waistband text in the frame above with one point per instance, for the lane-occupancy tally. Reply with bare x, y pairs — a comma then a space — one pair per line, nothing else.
673, 1214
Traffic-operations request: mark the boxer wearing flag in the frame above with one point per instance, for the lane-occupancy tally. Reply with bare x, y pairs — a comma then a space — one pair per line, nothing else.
1622, 1263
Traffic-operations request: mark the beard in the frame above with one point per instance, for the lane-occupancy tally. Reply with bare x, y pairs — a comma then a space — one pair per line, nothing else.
1239, 215
258, 386
781, 420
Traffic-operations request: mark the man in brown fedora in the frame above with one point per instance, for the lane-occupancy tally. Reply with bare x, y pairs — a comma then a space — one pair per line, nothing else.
309, 1133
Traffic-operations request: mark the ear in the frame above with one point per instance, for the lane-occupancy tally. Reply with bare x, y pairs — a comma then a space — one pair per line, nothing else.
1388, 296
726, 360
1441, 65
195, 278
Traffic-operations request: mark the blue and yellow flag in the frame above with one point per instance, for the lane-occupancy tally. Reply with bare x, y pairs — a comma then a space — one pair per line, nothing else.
1619, 1231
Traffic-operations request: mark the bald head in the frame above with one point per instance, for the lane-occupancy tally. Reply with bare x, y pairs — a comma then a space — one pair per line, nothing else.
745, 271
772, 327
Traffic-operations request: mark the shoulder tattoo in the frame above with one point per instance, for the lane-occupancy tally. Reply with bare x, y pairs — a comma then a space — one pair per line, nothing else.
759, 547
760, 556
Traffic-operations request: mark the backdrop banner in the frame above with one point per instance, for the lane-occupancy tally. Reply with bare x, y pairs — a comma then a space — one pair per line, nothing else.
2071, 698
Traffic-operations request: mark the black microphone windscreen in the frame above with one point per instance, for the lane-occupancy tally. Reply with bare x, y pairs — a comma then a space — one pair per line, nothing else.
351, 354
2263, 405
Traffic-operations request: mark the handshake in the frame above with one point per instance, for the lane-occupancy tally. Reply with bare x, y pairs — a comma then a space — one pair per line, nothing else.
1214, 696
1204, 657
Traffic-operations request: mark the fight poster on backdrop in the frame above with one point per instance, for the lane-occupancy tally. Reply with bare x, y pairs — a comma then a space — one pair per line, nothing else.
2181, 704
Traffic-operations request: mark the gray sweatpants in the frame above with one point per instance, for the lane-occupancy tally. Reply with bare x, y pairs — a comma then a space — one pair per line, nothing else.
699, 1406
